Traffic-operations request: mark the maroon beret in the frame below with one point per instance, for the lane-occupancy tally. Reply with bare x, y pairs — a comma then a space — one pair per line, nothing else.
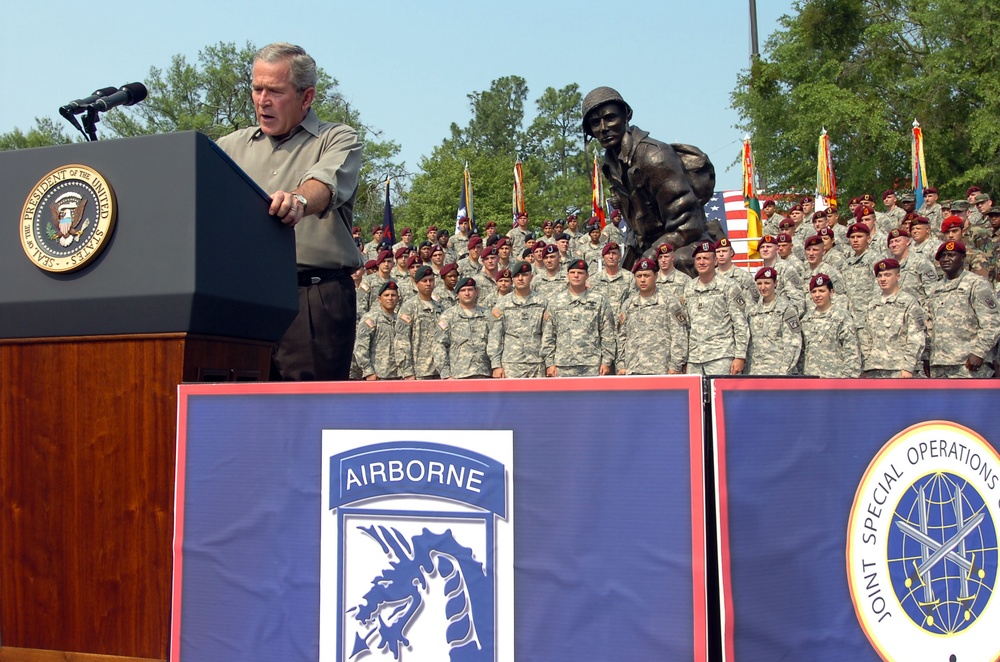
956, 246
819, 214
784, 238
820, 280
885, 265
644, 264
919, 220
413, 259
887, 193
723, 243
859, 227
371, 264
930, 189
766, 272
768, 239
786, 223
608, 247
383, 256
665, 247
550, 249
827, 232
538, 245
814, 240
896, 233
503, 241
475, 240
704, 247
973, 189
448, 268
488, 251
401, 251
433, 227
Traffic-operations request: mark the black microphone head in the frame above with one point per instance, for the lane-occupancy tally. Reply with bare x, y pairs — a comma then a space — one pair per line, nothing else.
136, 92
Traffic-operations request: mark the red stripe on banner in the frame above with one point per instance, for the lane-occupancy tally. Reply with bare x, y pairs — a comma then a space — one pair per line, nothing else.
736, 222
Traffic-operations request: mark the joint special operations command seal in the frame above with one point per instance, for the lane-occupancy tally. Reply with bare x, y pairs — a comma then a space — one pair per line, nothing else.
67, 218
922, 546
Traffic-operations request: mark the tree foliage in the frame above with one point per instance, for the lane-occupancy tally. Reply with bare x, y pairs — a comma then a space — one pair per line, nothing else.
864, 70
551, 149
43, 134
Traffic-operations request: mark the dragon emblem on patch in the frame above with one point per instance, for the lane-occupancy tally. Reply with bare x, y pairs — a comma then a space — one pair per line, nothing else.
417, 546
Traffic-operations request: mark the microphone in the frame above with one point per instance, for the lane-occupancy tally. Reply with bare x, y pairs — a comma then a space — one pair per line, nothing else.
80, 105
128, 95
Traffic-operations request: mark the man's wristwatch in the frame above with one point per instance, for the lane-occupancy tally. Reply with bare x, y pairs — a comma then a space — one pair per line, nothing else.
302, 200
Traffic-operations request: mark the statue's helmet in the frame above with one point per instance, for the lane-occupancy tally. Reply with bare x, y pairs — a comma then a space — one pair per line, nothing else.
602, 95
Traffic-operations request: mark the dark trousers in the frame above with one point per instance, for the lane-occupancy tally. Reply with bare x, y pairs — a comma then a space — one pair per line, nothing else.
320, 342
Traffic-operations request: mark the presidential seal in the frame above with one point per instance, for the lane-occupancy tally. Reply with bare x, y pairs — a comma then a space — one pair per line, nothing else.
67, 218
922, 546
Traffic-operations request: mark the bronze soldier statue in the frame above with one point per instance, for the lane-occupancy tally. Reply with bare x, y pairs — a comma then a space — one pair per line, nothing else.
661, 189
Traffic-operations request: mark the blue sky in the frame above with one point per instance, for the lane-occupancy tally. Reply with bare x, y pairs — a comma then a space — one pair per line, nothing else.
408, 66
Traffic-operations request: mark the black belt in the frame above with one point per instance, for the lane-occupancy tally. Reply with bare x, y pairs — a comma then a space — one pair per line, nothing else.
309, 277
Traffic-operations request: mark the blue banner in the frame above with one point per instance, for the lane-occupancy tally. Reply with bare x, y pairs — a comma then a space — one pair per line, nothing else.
603, 515
858, 519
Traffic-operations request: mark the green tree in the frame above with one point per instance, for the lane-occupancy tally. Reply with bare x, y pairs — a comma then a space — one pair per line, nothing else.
43, 134
551, 150
864, 69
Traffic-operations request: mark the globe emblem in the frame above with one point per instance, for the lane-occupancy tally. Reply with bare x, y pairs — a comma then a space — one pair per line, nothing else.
942, 553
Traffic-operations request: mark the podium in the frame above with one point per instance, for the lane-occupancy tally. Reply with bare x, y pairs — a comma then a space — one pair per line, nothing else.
193, 283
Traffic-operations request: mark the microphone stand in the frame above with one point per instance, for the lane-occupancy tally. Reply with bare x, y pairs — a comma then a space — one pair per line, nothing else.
90, 121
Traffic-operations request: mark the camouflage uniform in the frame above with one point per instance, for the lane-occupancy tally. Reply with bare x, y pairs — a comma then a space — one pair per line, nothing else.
458, 243
416, 337
616, 289
934, 214
375, 345
717, 323
584, 333
522, 335
966, 321
466, 267
672, 284
836, 279
652, 336
917, 276
893, 335
547, 286
743, 280
831, 343
444, 296
592, 254
517, 241
925, 249
771, 225
775, 338
461, 343
371, 250
368, 291
858, 282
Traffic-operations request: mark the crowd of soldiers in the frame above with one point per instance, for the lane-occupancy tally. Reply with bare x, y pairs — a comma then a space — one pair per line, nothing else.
900, 292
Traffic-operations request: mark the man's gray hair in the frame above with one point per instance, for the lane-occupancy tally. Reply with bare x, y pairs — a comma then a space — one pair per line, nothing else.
301, 63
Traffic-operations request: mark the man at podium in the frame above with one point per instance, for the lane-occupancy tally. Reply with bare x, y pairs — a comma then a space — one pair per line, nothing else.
310, 168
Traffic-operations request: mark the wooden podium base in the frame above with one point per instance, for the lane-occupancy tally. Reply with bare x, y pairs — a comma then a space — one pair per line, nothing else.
87, 449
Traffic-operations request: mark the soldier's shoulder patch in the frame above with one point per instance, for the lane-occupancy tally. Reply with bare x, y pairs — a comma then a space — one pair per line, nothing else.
497, 313
681, 317
370, 323
443, 324
793, 322
546, 316
740, 301
990, 302
435, 297
621, 318
406, 318
365, 286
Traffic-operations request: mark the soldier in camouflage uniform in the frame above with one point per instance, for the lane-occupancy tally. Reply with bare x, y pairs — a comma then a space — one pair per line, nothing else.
611, 234
462, 336
931, 209
830, 335
816, 262
445, 292
407, 285
966, 322
892, 211
976, 261
503, 285
518, 233
522, 334
583, 328
741, 277
459, 242
416, 329
716, 316
859, 275
917, 275
652, 338
551, 280
590, 250
375, 342
786, 253
775, 332
893, 334
613, 283
789, 282
670, 280
921, 242
831, 250
371, 249
372, 283
770, 217
470, 265
993, 216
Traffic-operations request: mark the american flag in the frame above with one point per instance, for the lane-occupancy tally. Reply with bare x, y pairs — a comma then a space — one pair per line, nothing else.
728, 208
